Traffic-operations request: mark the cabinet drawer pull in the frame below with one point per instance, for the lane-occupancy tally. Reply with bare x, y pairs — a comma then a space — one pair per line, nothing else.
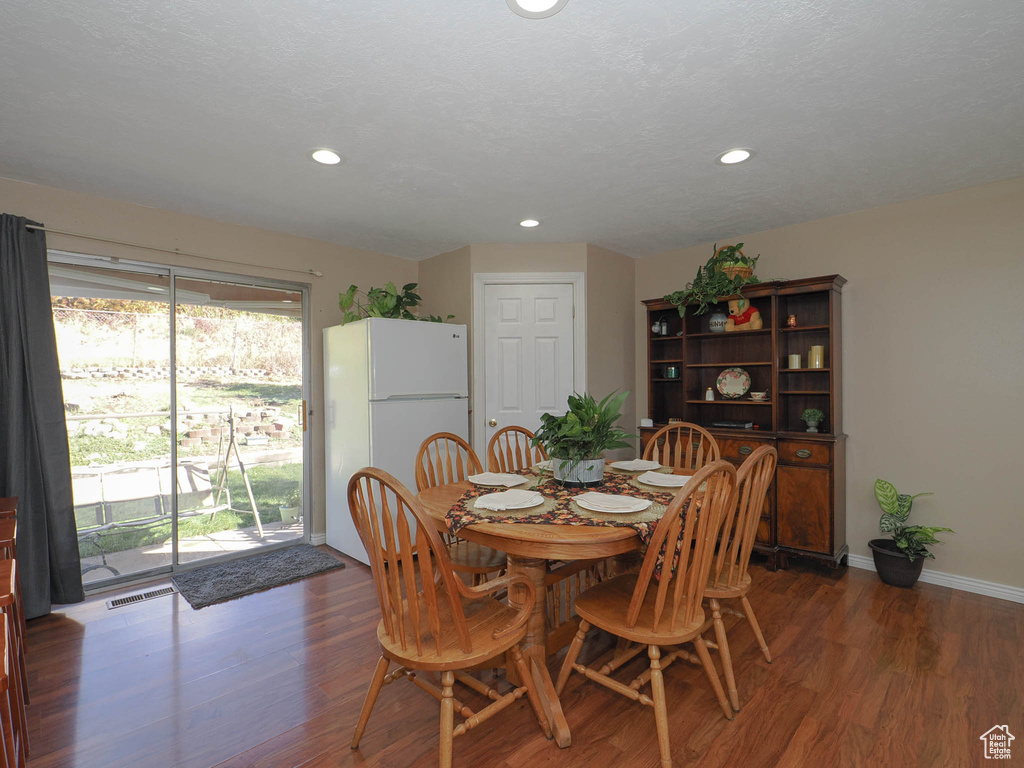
803, 453
746, 450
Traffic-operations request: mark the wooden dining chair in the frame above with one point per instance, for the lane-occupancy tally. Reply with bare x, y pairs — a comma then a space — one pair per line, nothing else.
443, 459
682, 446
510, 450
661, 610
729, 576
430, 620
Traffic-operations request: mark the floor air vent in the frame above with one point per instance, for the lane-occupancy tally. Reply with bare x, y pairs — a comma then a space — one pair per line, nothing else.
138, 598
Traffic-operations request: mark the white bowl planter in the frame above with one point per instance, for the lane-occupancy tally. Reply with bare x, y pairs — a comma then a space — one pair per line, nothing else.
586, 472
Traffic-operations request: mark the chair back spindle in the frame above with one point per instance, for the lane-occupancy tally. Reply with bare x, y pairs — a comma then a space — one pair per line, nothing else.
739, 528
444, 458
682, 446
510, 450
409, 589
685, 539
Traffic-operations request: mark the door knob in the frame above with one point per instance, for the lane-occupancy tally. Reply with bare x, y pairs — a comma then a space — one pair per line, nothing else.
493, 422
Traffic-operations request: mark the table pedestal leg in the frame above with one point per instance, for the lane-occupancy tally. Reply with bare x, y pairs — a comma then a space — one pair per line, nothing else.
534, 644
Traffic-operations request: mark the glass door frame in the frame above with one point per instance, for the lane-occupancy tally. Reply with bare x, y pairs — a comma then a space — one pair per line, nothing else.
124, 265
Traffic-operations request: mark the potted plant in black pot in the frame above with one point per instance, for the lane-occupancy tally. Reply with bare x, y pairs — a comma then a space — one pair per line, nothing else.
899, 559
576, 440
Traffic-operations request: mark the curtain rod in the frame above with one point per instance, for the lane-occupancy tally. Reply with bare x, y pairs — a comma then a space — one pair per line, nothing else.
38, 228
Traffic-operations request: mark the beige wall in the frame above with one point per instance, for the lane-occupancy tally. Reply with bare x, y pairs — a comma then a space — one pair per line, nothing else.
257, 248
933, 343
446, 285
610, 349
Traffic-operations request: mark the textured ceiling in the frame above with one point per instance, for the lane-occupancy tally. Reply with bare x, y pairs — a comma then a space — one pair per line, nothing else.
459, 118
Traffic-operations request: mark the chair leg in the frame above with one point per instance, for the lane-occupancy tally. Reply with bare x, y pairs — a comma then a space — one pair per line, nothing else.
570, 657
531, 690
447, 719
723, 649
712, 673
752, 620
371, 699
660, 710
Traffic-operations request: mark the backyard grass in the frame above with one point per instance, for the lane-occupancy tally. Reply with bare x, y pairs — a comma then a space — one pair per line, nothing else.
271, 486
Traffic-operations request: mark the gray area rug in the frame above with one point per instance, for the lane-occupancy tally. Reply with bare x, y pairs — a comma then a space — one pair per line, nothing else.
227, 581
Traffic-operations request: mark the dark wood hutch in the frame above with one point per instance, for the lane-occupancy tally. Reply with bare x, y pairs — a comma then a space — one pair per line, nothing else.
805, 512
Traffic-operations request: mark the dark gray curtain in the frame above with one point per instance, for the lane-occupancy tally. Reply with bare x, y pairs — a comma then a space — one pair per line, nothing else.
34, 461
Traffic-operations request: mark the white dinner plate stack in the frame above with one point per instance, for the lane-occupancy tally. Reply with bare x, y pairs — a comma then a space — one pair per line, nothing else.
611, 504
497, 479
507, 500
663, 481
635, 465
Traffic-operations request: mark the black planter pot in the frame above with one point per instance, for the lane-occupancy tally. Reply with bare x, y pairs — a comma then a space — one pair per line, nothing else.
894, 567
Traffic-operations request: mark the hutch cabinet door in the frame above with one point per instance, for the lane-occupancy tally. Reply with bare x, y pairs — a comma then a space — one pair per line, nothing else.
804, 505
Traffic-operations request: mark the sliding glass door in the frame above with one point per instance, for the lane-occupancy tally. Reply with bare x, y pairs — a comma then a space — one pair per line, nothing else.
185, 395
238, 368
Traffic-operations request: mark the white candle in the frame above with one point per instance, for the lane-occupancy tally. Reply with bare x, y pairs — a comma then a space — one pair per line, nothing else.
794, 361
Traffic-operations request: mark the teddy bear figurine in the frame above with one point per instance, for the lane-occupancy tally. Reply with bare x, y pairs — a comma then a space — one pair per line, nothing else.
743, 316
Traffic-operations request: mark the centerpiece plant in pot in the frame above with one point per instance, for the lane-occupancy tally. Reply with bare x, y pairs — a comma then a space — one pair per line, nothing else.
576, 440
899, 559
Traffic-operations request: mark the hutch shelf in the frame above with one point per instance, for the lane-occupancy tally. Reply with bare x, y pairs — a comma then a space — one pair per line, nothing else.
805, 512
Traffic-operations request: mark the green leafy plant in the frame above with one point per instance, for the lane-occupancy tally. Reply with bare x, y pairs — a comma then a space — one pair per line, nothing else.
711, 284
912, 540
812, 414
383, 302
585, 431
293, 500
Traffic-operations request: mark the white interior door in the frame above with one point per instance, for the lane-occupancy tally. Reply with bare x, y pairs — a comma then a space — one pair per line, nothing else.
528, 352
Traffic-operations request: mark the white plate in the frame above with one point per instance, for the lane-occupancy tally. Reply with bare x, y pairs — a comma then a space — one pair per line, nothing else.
664, 481
506, 500
635, 465
497, 480
611, 504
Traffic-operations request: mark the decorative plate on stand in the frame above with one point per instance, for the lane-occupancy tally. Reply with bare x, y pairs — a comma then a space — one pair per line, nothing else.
733, 383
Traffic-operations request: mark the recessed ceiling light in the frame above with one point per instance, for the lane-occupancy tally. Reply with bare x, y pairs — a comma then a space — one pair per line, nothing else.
536, 9
529, 223
326, 156
734, 156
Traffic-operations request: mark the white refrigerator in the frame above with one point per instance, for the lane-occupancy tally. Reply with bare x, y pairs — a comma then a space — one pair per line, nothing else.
388, 385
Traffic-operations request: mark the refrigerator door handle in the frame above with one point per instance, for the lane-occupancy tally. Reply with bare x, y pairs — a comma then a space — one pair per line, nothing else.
435, 396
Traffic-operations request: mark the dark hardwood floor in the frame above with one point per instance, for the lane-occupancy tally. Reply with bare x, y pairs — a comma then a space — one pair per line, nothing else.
863, 675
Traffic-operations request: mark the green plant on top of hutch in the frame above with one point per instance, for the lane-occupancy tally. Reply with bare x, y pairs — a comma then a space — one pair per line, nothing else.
899, 559
725, 274
576, 440
805, 512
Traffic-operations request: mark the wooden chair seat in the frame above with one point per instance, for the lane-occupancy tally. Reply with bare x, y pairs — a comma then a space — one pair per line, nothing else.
605, 606
722, 589
470, 557
483, 617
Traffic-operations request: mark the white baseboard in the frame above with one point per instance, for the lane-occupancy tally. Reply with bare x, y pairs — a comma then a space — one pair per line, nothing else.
316, 539
965, 583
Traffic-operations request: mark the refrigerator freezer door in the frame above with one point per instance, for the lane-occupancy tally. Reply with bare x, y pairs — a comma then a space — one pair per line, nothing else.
416, 359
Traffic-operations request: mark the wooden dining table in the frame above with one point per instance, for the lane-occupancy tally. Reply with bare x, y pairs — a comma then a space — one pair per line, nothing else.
529, 547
